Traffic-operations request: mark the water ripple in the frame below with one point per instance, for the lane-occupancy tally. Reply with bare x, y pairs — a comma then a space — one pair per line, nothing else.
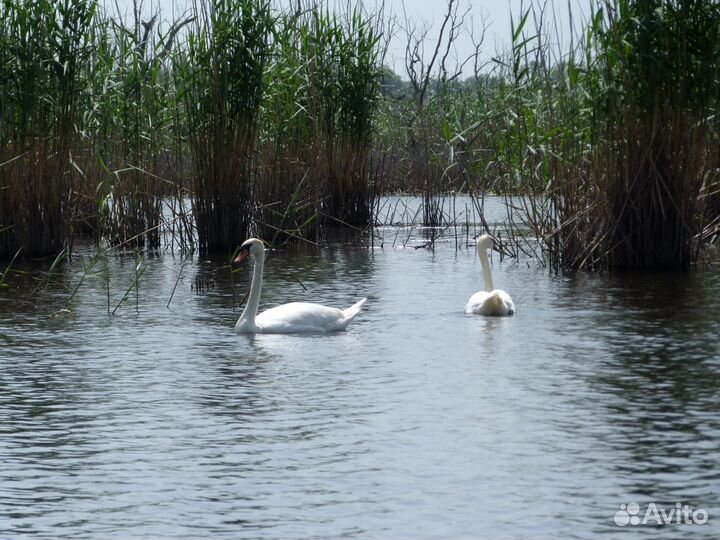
418, 422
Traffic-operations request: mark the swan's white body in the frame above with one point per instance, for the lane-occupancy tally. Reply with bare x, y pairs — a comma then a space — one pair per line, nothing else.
491, 301
295, 317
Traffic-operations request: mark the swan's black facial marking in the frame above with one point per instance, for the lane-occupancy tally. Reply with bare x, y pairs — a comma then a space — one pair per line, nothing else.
498, 246
243, 253
247, 248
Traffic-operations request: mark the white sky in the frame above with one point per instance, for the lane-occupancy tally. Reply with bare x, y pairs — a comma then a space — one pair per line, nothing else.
496, 15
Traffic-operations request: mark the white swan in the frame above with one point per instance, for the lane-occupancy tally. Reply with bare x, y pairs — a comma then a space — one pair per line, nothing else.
491, 301
287, 318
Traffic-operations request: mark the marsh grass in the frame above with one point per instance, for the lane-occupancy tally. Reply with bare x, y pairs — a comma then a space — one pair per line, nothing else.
661, 158
140, 156
612, 144
321, 103
240, 118
221, 82
43, 45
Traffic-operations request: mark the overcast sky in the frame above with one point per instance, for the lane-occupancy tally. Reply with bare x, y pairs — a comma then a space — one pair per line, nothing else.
495, 15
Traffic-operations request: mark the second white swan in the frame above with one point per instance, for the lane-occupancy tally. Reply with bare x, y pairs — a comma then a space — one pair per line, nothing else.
491, 301
287, 318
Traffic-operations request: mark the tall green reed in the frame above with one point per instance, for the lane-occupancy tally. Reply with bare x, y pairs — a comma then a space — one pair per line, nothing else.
661, 61
42, 48
221, 82
319, 120
347, 78
134, 153
613, 144
286, 192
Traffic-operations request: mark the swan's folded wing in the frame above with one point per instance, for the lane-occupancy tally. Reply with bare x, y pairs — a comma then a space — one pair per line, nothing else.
496, 303
476, 303
301, 317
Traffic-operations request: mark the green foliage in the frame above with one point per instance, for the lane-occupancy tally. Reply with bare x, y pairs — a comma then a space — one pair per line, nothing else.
319, 121
43, 46
221, 82
239, 119
659, 62
614, 143
108, 126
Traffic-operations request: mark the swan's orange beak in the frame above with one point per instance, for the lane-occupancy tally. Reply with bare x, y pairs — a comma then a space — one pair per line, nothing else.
241, 257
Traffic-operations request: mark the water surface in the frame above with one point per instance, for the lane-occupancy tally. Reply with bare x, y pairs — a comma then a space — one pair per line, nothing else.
418, 422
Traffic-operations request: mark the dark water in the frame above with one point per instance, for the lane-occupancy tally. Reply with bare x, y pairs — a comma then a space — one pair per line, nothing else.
418, 422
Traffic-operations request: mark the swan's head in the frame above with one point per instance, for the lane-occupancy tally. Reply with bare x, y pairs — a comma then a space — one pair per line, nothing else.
253, 247
486, 242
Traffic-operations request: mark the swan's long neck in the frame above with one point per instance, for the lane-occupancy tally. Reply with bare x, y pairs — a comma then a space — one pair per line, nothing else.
251, 307
487, 276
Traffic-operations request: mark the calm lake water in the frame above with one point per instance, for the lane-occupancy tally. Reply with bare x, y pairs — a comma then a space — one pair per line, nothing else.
418, 422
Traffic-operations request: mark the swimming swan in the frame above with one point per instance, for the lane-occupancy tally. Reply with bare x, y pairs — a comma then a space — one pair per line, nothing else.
491, 301
287, 318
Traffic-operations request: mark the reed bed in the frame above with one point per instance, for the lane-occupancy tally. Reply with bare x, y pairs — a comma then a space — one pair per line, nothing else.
643, 144
322, 100
666, 152
220, 78
607, 152
43, 46
241, 118
136, 115
260, 120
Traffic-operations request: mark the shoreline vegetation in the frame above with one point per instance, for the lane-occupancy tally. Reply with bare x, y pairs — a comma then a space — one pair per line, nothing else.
240, 119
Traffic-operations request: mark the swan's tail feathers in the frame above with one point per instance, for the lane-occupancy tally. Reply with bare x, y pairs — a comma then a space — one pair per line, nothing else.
351, 312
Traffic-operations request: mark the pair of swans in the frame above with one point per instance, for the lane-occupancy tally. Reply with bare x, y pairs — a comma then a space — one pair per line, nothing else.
303, 317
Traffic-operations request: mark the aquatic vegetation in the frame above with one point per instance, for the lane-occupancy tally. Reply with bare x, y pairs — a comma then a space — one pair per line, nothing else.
242, 118
43, 46
220, 80
659, 144
606, 150
321, 104
111, 126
